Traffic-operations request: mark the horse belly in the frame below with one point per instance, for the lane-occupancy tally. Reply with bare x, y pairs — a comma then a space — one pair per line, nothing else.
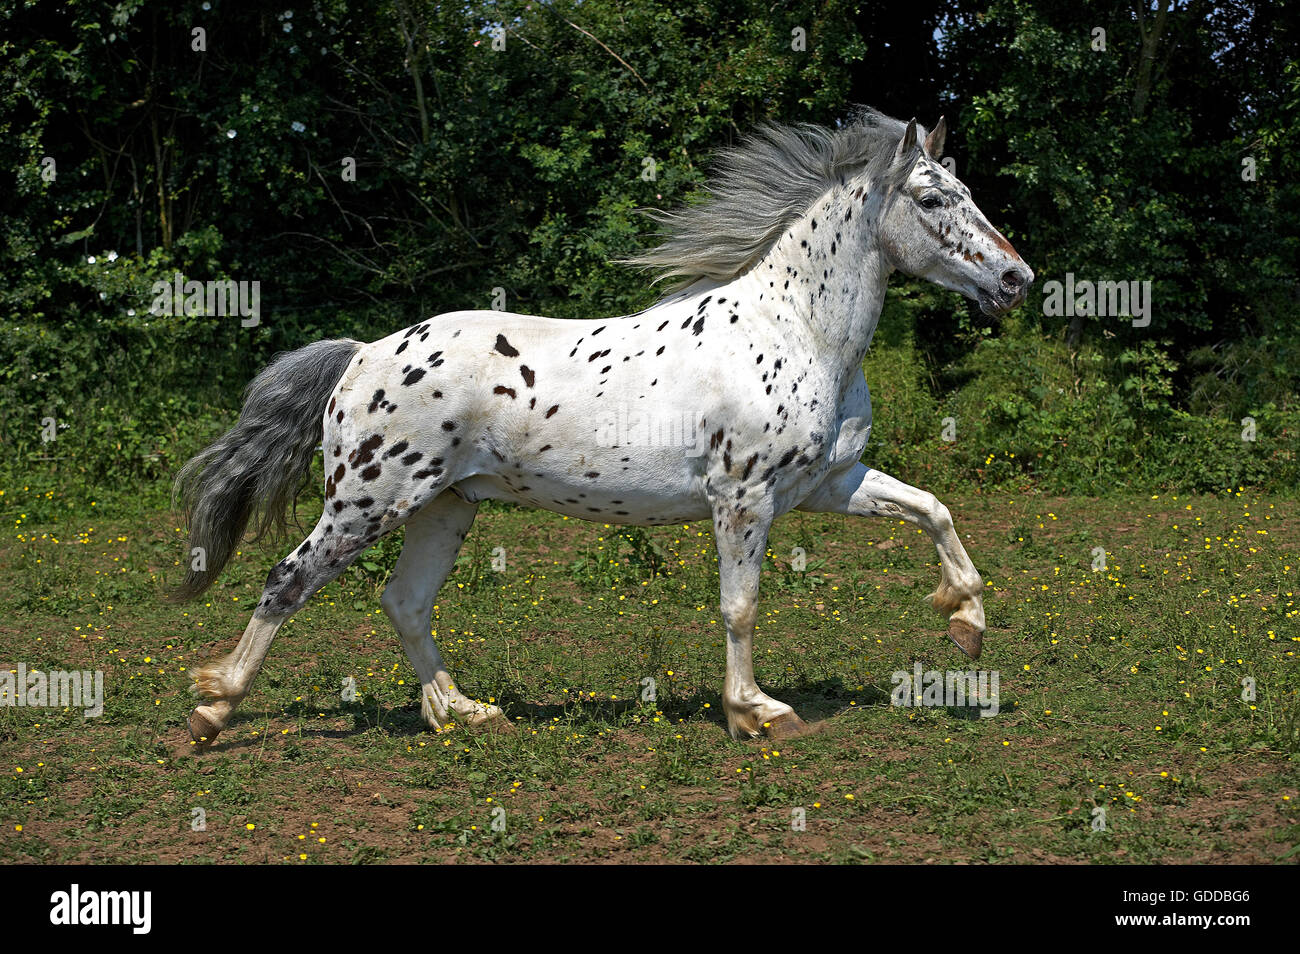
610, 491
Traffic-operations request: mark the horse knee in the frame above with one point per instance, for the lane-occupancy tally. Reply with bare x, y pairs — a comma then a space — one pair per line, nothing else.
936, 513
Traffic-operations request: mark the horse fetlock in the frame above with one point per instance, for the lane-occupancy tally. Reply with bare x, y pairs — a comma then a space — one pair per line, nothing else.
435, 716
749, 718
952, 595
213, 682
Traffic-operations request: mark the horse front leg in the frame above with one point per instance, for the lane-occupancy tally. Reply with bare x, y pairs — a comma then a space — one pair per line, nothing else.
864, 492
741, 535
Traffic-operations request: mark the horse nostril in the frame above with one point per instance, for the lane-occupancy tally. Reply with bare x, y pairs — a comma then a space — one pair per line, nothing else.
1012, 280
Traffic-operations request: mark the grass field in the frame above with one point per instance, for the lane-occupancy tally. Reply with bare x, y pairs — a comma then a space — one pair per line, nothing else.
1120, 689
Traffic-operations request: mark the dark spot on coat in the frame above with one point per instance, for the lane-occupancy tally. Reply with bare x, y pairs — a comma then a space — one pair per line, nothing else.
366, 452
506, 348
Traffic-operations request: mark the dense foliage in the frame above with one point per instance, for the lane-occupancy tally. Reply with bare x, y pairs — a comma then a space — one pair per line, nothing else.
372, 162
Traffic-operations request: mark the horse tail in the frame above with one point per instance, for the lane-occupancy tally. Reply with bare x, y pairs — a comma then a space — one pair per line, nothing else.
253, 472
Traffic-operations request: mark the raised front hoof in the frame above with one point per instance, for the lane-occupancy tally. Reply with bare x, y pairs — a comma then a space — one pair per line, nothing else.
968, 639
203, 730
787, 726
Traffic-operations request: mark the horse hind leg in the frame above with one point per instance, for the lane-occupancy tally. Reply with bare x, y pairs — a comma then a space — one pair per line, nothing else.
433, 538
320, 558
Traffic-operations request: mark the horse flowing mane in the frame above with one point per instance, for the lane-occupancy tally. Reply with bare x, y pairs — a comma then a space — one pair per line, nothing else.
762, 186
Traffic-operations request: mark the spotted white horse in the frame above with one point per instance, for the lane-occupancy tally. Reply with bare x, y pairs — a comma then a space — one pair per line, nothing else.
784, 272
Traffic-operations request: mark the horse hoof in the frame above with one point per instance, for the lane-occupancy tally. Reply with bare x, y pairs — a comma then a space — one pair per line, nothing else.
493, 725
202, 729
786, 726
968, 639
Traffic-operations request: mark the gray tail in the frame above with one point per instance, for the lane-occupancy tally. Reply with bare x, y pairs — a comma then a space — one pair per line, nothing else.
253, 472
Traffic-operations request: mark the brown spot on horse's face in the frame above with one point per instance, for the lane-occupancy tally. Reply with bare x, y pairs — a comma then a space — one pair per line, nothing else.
998, 239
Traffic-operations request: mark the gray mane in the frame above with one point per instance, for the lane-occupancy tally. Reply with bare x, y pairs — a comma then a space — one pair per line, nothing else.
764, 185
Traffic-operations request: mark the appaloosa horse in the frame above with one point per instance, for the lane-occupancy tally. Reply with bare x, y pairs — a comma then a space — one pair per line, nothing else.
784, 272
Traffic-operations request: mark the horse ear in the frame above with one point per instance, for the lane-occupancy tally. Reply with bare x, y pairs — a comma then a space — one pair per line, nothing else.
907, 143
934, 141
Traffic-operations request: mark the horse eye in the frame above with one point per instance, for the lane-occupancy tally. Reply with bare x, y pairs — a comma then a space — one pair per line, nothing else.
931, 202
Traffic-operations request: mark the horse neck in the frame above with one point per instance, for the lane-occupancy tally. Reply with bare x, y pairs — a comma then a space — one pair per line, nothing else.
837, 275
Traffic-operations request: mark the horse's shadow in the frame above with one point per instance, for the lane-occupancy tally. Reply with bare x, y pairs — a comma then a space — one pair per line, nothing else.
815, 700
